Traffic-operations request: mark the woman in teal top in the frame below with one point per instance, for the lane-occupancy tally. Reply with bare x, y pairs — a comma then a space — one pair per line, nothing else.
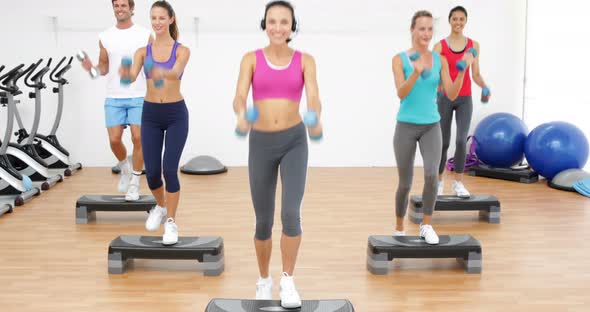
417, 73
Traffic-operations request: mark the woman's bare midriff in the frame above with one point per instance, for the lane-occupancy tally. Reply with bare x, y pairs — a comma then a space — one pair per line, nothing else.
169, 93
276, 115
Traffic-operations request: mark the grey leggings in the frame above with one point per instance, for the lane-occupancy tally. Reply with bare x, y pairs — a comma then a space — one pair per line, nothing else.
286, 149
404, 146
463, 106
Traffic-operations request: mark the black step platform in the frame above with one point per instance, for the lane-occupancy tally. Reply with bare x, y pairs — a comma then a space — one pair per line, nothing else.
87, 205
487, 205
525, 175
206, 249
381, 249
240, 305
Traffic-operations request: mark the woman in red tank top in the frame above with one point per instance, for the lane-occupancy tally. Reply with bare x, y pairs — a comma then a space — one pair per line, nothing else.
453, 48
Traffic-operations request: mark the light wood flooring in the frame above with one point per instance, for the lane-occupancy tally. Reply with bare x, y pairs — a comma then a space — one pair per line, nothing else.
537, 259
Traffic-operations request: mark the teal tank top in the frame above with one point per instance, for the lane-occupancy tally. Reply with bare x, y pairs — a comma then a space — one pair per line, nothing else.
419, 106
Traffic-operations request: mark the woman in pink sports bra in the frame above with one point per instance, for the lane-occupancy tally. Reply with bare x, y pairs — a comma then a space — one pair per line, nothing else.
278, 139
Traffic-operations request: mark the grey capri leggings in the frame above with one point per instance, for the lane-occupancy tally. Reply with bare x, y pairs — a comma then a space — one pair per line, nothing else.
269, 151
404, 146
463, 107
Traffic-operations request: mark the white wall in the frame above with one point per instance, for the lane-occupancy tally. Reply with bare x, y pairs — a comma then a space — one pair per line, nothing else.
557, 66
353, 44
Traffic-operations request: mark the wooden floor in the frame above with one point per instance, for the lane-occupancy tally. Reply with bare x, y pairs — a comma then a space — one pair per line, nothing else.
537, 259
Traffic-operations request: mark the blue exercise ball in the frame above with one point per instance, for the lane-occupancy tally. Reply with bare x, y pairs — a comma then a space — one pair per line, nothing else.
554, 147
500, 140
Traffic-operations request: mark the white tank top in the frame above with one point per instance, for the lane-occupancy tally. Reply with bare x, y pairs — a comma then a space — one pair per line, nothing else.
120, 43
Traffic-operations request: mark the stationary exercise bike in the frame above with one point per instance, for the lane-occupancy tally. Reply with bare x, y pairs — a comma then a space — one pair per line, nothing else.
23, 156
49, 149
14, 187
5, 206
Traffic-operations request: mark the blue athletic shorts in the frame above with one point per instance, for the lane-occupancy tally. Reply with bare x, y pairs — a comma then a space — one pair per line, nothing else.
123, 112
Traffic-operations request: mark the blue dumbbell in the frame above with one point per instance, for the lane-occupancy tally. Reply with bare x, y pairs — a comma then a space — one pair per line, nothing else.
316, 137
485, 95
426, 72
252, 114
149, 65
461, 65
251, 117
126, 62
239, 133
310, 119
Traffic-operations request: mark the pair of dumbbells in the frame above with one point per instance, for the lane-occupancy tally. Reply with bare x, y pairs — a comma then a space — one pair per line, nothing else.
461, 65
310, 119
148, 64
126, 62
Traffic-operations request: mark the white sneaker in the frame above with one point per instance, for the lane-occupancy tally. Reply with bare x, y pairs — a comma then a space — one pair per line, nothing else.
289, 296
428, 233
170, 236
157, 214
125, 177
132, 192
264, 288
460, 190
441, 186
399, 233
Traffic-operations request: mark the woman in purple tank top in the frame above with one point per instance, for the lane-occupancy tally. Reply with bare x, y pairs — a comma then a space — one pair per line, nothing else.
278, 139
165, 116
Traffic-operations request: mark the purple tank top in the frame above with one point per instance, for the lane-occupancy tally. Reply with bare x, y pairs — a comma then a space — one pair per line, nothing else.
166, 65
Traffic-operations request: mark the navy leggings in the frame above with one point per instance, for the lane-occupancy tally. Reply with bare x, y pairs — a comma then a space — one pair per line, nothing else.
163, 125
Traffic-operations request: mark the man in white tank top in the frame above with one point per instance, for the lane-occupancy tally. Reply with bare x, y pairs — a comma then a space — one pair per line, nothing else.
124, 103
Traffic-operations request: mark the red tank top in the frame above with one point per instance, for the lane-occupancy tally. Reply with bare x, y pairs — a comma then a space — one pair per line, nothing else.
454, 57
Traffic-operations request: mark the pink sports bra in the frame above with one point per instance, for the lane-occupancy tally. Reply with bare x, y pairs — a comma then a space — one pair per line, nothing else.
270, 83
